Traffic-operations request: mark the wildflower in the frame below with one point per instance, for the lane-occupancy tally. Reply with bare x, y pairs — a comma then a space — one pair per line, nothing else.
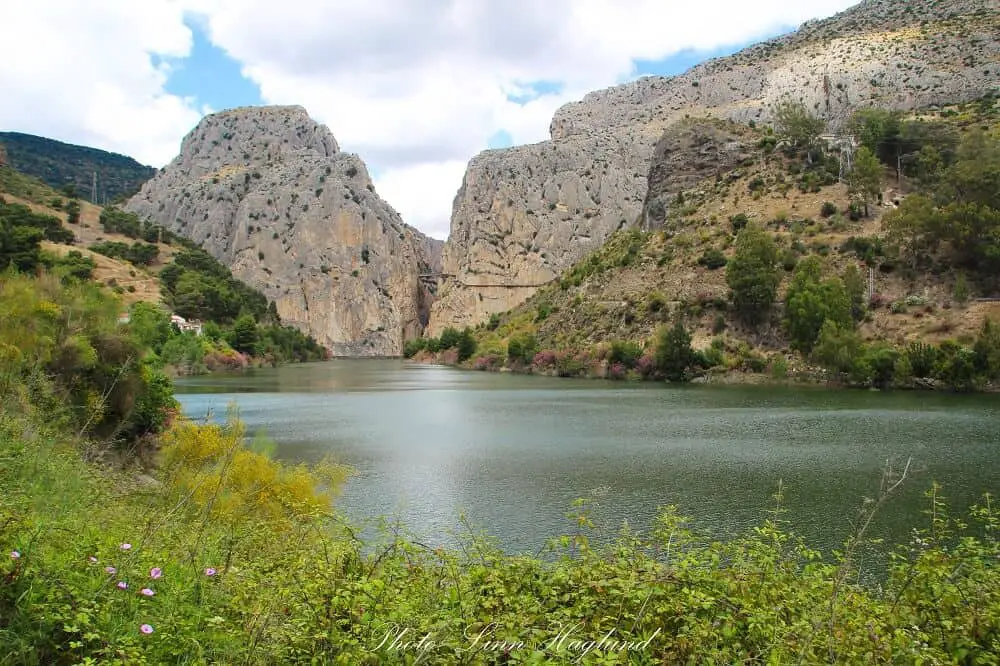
14, 555
155, 573
126, 546
147, 592
122, 585
146, 629
110, 570
93, 560
210, 571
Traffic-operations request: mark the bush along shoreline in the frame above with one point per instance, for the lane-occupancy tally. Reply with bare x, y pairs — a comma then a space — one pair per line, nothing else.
838, 358
195, 546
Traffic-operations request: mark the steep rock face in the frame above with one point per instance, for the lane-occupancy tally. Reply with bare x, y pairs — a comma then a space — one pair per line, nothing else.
689, 152
267, 191
525, 214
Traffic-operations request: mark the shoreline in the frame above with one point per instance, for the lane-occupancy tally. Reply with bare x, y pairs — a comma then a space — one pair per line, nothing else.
818, 378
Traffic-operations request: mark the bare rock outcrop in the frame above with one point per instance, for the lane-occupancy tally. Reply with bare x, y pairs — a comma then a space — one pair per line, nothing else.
525, 214
267, 191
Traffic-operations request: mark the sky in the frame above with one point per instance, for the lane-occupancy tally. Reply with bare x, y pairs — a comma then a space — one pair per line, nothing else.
415, 87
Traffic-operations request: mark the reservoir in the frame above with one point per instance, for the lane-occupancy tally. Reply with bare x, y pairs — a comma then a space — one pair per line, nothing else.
510, 453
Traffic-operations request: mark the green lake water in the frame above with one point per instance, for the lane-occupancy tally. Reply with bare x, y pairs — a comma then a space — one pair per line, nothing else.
430, 443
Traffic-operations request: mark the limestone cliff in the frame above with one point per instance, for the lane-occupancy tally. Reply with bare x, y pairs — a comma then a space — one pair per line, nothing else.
267, 191
525, 214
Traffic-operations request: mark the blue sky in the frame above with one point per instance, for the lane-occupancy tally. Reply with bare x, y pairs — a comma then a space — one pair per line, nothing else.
210, 76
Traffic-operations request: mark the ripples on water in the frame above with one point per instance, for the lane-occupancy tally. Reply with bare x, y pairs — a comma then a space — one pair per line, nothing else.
513, 452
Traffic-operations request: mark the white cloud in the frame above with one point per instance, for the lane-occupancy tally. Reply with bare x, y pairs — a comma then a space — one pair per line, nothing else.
423, 193
82, 72
416, 87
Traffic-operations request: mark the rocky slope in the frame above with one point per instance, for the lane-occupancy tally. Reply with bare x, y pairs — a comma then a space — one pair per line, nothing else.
268, 192
526, 214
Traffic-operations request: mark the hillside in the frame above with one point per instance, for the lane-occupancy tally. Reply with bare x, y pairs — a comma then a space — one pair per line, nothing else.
153, 272
524, 215
132, 283
934, 284
59, 165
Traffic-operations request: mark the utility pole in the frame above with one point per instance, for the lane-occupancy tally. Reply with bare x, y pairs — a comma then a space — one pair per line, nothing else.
871, 283
846, 156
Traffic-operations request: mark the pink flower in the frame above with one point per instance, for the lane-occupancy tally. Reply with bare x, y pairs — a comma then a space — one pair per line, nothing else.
122, 585
147, 592
155, 573
146, 629
93, 560
210, 571
14, 555
110, 570
126, 546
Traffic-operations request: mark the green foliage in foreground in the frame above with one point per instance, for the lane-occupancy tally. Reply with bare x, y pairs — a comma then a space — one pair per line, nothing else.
64, 355
291, 584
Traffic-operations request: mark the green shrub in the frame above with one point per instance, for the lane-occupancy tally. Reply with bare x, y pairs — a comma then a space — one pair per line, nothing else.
712, 259
626, 353
521, 348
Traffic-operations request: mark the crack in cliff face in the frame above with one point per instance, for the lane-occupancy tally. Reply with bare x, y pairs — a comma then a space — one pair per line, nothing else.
596, 175
268, 192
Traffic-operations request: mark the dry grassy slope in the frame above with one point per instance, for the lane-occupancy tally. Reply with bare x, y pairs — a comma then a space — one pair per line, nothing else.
620, 303
144, 283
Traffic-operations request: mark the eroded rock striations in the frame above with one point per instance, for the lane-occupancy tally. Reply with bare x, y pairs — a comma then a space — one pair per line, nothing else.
523, 215
267, 191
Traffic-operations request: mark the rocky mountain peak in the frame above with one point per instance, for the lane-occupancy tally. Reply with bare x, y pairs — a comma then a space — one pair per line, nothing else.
267, 191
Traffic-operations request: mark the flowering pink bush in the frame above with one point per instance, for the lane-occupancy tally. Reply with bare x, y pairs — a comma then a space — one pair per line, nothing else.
617, 371
488, 362
646, 365
544, 359
878, 301
226, 360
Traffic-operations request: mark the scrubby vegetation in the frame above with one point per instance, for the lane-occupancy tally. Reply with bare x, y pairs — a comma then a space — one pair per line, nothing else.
230, 557
240, 327
795, 299
63, 353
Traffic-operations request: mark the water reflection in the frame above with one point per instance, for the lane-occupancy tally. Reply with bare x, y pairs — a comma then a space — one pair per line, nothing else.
514, 452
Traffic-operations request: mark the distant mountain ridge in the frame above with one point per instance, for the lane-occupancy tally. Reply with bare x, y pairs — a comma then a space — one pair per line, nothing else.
58, 164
